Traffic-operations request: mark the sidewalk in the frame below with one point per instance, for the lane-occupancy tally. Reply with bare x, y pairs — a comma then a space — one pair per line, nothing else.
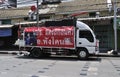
9, 52
107, 55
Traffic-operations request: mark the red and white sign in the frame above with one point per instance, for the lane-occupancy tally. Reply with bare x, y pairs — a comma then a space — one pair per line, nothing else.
61, 37
33, 8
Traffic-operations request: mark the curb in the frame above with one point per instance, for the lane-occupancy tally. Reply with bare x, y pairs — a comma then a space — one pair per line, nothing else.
107, 55
3, 52
13, 53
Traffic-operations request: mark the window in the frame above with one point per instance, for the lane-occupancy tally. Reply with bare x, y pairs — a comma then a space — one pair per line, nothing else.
92, 14
7, 21
86, 34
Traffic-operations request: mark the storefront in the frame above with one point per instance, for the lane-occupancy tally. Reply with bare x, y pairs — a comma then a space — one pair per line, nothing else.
103, 28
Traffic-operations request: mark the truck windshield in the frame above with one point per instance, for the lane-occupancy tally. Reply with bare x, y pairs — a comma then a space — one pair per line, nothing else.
86, 34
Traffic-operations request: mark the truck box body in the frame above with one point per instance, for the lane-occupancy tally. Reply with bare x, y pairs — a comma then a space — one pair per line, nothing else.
69, 36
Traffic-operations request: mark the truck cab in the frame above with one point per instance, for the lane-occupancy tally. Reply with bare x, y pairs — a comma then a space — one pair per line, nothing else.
86, 40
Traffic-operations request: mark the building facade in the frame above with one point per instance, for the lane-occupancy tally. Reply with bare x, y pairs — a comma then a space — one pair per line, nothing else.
99, 16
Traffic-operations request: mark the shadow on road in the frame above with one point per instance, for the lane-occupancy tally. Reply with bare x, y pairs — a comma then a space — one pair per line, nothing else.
60, 58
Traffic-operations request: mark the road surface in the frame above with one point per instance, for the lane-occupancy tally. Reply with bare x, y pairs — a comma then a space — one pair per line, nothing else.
24, 66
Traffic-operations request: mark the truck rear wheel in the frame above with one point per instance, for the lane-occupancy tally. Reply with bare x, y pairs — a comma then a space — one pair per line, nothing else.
36, 52
83, 54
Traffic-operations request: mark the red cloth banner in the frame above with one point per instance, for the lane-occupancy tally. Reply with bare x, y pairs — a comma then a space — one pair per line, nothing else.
58, 37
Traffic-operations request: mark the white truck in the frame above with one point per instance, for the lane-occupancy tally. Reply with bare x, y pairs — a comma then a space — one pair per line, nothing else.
63, 37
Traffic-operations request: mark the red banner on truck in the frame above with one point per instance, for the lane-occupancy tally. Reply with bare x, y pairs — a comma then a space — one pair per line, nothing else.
58, 37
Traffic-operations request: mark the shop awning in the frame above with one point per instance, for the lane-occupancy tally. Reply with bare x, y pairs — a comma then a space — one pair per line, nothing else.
6, 26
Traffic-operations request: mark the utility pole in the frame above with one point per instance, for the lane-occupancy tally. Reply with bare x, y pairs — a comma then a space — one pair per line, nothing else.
37, 12
115, 26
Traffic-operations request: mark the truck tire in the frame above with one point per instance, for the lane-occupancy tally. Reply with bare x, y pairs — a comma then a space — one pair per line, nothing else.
36, 53
82, 54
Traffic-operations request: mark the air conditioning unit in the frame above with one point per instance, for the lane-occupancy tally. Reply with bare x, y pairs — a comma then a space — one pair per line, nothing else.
45, 2
109, 5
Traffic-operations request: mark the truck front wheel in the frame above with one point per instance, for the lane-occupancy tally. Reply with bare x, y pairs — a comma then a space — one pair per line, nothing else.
36, 52
83, 54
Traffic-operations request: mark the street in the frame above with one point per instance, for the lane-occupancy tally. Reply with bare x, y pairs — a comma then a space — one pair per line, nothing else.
25, 66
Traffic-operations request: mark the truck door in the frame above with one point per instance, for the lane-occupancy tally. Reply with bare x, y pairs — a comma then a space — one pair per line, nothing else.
85, 38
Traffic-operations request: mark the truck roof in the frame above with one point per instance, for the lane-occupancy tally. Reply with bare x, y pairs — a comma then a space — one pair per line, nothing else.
82, 26
64, 22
